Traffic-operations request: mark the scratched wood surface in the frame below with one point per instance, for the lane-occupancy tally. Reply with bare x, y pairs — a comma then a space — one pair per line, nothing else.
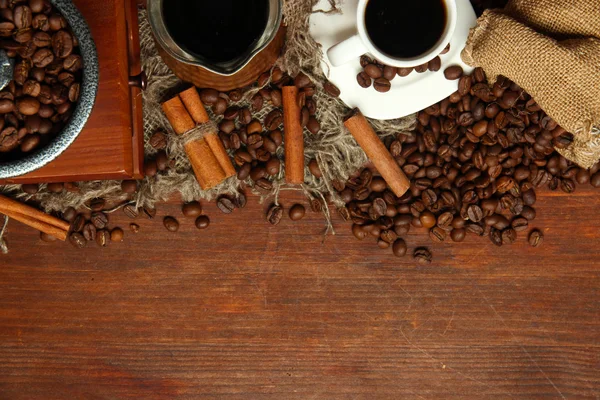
247, 311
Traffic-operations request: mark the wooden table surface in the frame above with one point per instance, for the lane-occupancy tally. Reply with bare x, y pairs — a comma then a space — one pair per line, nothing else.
248, 311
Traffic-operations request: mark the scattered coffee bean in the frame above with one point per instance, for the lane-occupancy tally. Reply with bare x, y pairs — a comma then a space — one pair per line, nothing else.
422, 255
47, 238
225, 205
77, 240
297, 212
202, 222
103, 238
158, 141
171, 224
536, 238
89, 232
382, 85
192, 209
129, 186
331, 89
100, 220
274, 214
117, 235
399, 248
453, 73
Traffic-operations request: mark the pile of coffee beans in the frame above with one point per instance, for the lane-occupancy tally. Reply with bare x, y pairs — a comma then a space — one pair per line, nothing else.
40, 99
381, 75
254, 143
159, 162
92, 227
475, 162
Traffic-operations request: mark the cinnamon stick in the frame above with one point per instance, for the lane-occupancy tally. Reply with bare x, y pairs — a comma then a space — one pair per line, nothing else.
191, 101
376, 151
207, 168
34, 218
294, 136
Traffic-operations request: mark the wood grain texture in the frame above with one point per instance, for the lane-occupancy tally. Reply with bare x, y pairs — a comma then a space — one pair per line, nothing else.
244, 310
105, 148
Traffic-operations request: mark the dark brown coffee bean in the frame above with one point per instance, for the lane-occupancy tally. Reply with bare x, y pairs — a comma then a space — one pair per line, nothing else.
422, 255
273, 166
100, 220
464, 85
171, 224
97, 204
364, 80
422, 68
225, 205
202, 222
453, 73
536, 238
89, 232
313, 167
399, 248
404, 71
379, 207
77, 240
360, 233
475, 213
389, 236
496, 237
313, 125
273, 120
102, 238
192, 209
30, 143
47, 238
297, 212
458, 235
509, 236
520, 224
209, 96
78, 223
158, 141
437, 234
275, 214
445, 220
389, 72
382, 85
302, 81
131, 211
62, 44
435, 64
331, 89
373, 71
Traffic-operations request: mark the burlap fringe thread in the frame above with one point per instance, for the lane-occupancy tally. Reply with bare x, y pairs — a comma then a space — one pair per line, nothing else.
335, 150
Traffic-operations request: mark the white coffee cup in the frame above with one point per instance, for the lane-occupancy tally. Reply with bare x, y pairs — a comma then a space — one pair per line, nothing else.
351, 49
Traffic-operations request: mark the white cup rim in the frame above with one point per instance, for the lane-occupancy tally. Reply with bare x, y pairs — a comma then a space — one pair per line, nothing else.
414, 61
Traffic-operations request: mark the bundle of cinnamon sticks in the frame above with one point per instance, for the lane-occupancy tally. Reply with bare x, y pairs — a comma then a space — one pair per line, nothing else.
209, 159
34, 218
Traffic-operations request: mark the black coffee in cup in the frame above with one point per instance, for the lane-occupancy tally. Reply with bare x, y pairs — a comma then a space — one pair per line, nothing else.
217, 30
405, 28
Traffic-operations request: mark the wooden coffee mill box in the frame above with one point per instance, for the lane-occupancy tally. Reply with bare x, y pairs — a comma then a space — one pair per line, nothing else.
111, 145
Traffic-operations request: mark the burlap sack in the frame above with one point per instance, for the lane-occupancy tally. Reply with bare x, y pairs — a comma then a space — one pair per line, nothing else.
562, 76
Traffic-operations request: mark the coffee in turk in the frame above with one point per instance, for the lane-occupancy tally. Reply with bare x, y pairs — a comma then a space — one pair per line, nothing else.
219, 31
405, 29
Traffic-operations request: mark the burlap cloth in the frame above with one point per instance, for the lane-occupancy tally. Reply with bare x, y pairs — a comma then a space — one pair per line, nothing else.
551, 48
334, 148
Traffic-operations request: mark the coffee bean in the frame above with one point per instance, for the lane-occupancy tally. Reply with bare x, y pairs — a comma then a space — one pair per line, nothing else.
192, 209
273, 120
496, 237
89, 232
150, 168
240, 200
536, 238
364, 80
134, 228
458, 235
404, 71
129, 186
225, 205
102, 238
209, 96
373, 71
313, 125
202, 222
453, 73
69, 214
44, 237
274, 214
171, 224
331, 89
422, 68
435, 64
100, 220
428, 219
77, 240
382, 85
360, 233
117, 235
437, 234
97, 204
314, 168
302, 81
158, 141
149, 212
422, 255
78, 223
399, 248
297, 212
131, 211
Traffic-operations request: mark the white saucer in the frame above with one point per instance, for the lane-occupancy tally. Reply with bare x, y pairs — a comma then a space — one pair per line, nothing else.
408, 94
